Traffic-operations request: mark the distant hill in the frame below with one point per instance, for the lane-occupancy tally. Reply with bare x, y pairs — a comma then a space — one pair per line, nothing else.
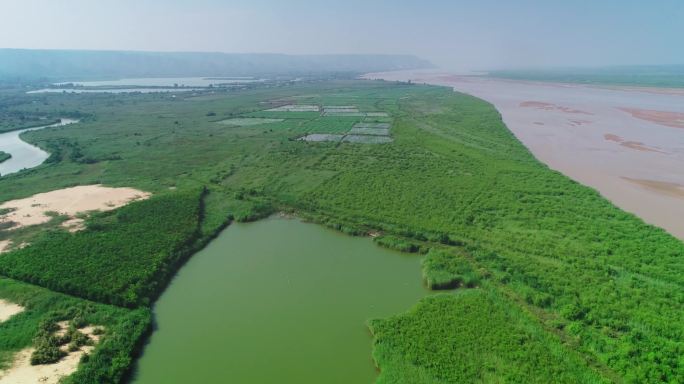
637, 75
80, 65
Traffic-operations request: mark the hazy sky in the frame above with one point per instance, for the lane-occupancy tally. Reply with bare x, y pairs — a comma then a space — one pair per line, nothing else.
476, 34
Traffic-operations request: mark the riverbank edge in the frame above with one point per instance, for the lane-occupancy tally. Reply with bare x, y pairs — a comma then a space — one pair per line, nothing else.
45, 124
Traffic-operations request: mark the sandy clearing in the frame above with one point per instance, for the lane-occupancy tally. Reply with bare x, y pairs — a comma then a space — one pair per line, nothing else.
9, 309
4, 245
22, 372
74, 224
666, 118
68, 201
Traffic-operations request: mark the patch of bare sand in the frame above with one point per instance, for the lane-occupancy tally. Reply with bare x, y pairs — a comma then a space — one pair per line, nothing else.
578, 123
74, 224
22, 372
4, 245
551, 107
70, 202
666, 118
637, 145
9, 309
664, 187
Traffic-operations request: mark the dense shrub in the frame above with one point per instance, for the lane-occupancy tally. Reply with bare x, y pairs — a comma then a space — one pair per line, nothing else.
472, 337
397, 243
124, 257
446, 270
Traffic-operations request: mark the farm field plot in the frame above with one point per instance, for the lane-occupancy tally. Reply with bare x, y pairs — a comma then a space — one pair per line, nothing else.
376, 129
568, 286
366, 139
316, 137
248, 121
295, 108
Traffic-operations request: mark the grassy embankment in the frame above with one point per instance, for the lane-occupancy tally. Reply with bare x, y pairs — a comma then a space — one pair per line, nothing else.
559, 271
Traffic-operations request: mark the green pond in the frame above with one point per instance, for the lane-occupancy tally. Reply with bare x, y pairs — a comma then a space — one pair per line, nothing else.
277, 301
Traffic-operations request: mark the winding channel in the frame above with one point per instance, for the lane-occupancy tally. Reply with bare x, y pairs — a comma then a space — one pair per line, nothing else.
24, 155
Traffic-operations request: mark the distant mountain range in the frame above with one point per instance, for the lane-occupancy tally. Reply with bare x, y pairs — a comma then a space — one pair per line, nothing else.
28, 64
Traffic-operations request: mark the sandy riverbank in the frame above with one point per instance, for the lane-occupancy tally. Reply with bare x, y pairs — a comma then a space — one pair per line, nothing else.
626, 142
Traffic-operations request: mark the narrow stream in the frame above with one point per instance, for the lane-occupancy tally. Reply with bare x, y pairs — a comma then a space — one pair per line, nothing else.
24, 155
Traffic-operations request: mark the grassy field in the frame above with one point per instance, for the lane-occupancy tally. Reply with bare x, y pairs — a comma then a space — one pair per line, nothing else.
12, 118
444, 339
108, 363
563, 282
96, 263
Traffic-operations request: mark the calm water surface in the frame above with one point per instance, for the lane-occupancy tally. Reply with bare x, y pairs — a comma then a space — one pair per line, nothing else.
24, 155
277, 301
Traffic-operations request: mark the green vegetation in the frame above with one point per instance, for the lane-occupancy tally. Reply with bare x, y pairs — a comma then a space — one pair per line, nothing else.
123, 257
35, 327
4, 156
13, 118
669, 76
13, 122
474, 336
601, 280
399, 244
444, 270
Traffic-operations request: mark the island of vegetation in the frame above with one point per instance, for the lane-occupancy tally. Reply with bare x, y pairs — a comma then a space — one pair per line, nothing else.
4, 156
552, 283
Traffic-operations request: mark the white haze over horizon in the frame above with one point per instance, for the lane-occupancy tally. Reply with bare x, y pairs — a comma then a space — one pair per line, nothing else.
461, 35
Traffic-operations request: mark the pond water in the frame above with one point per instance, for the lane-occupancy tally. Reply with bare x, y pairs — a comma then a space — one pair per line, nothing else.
24, 155
277, 301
